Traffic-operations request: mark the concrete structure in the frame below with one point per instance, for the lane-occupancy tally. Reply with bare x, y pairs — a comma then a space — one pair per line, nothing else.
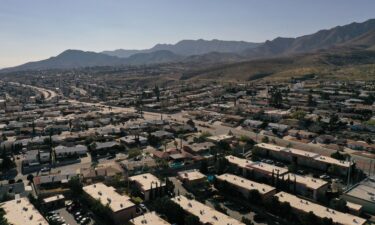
149, 185
304, 206
257, 169
307, 186
363, 194
244, 186
21, 212
304, 158
149, 218
206, 214
122, 209
54, 202
191, 177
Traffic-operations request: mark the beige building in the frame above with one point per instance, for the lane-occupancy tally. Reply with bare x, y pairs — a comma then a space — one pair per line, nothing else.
191, 177
304, 158
244, 186
22, 212
307, 186
122, 208
150, 218
149, 185
302, 205
205, 214
257, 169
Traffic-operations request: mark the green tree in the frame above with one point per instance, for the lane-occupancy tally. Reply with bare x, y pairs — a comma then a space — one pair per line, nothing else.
76, 186
192, 220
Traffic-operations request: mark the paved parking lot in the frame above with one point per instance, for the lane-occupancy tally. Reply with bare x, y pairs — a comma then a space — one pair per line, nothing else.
67, 216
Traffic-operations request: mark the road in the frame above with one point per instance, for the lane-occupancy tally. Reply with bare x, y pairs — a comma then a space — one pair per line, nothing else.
47, 94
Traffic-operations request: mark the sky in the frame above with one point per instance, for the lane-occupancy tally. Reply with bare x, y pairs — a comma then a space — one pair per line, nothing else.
32, 30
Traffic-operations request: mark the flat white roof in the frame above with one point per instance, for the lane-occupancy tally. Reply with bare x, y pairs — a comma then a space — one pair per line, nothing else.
53, 198
310, 182
146, 180
298, 152
22, 212
149, 218
191, 175
206, 214
245, 184
260, 166
319, 210
108, 195
221, 137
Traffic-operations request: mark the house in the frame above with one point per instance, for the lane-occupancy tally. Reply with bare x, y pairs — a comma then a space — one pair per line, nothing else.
191, 178
279, 128
149, 186
121, 207
162, 134
131, 140
67, 152
253, 123
360, 145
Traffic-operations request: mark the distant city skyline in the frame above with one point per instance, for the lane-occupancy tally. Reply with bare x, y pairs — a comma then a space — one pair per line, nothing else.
39, 29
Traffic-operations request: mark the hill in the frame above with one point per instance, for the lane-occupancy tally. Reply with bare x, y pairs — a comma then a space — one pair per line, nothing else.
322, 39
190, 47
340, 63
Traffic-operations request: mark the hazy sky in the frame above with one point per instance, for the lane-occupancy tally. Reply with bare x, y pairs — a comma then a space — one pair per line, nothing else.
37, 29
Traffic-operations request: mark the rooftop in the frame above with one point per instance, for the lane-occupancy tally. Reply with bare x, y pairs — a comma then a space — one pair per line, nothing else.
191, 175
246, 184
260, 166
310, 182
149, 218
298, 152
319, 210
364, 190
21, 211
108, 195
206, 214
146, 181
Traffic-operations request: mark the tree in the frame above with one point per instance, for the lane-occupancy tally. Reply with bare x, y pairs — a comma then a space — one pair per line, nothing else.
276, 97
170, 209
204, 167
76, 187
157, 93
192, 220
265, 139
3, 220
310, 101
339, 205
337, 155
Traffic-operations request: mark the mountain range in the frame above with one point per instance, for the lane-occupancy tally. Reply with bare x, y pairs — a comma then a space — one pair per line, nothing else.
359, 36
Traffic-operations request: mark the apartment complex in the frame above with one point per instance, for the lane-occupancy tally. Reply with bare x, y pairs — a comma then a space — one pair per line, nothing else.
21, 212
244, 186
150, 218
304, 158
149, 185
206, 214
304, 206
122, 208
